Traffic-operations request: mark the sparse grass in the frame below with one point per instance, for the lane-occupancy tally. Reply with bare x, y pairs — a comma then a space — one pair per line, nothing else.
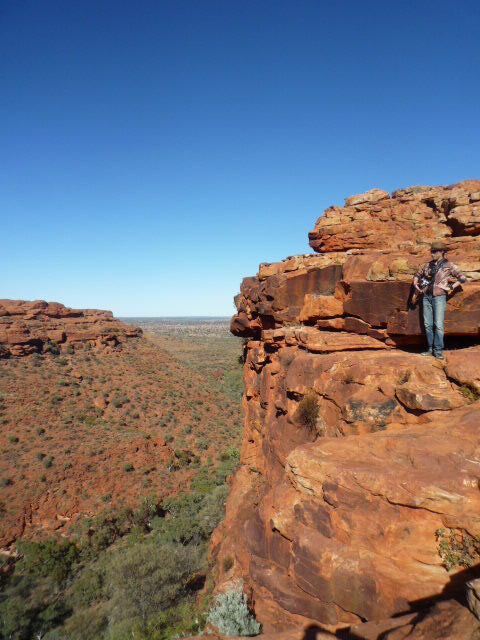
308, 410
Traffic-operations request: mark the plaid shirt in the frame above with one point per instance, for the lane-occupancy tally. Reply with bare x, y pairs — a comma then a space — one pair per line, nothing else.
447, 272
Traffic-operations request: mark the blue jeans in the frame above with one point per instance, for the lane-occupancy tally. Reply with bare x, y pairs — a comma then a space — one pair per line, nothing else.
433, 316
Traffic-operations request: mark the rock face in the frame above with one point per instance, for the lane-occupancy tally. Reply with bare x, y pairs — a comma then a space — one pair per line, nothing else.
29, 327
360, 466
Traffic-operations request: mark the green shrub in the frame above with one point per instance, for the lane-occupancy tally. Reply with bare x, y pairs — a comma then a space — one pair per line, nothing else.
146, 512
84, 624
457, 548
48, 558
51, 347
147, 579
308, 410
202, 443
230, 614
88, 588
128, 466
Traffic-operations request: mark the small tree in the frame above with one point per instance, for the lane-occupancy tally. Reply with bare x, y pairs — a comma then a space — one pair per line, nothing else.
230, 614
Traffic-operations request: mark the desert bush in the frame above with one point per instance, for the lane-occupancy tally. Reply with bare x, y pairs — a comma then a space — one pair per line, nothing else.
88, 588
147, 579
229, 461
457, 548
308, 410
84, 624
202, 443
230, 614
48, 558
149, 509
27, 613
51, 347
102, 531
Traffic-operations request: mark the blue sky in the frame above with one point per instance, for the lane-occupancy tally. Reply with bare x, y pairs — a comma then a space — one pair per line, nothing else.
153, 153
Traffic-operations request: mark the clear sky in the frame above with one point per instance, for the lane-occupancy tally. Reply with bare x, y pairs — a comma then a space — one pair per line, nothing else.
153, 153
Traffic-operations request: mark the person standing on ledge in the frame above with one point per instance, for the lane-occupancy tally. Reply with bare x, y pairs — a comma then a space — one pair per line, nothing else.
433, 281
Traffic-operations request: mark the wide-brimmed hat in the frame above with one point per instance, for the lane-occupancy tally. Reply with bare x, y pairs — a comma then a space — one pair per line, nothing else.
438, 246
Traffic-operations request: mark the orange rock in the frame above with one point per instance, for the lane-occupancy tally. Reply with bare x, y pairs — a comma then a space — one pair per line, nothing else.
318, 306
463, 366
26, 326
331, 518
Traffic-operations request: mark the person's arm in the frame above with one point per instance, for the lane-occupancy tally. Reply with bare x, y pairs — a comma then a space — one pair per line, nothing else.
459, 275
416, 278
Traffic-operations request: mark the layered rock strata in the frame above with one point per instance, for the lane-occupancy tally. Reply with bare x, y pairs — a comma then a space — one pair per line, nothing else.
33, 327
361, 458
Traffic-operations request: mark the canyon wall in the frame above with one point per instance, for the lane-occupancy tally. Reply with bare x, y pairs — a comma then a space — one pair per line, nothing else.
34, 327
360, 462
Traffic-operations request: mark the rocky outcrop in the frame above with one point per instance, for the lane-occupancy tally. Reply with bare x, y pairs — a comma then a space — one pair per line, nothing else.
34, 327
357, 498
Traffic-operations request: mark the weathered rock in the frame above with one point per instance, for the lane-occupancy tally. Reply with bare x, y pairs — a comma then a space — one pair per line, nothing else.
318, 306
446, 620
29, 327
463, 366
409, 219
473, 596
332, 516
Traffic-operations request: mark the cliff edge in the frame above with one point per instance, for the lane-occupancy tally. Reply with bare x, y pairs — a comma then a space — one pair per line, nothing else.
357, 498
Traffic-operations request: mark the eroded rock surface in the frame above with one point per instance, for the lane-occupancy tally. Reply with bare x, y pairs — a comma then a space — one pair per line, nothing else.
30, 327
333, 518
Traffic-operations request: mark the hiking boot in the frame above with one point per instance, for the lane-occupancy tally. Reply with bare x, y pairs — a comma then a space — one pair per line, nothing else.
439, 356
427, 353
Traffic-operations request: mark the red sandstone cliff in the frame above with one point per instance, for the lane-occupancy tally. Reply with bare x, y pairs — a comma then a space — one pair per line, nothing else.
334, 522
29, 327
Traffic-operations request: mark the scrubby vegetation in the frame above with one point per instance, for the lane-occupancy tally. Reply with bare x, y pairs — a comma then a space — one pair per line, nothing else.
457, 548
230, 614
130, 573
156, 434
308, 410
